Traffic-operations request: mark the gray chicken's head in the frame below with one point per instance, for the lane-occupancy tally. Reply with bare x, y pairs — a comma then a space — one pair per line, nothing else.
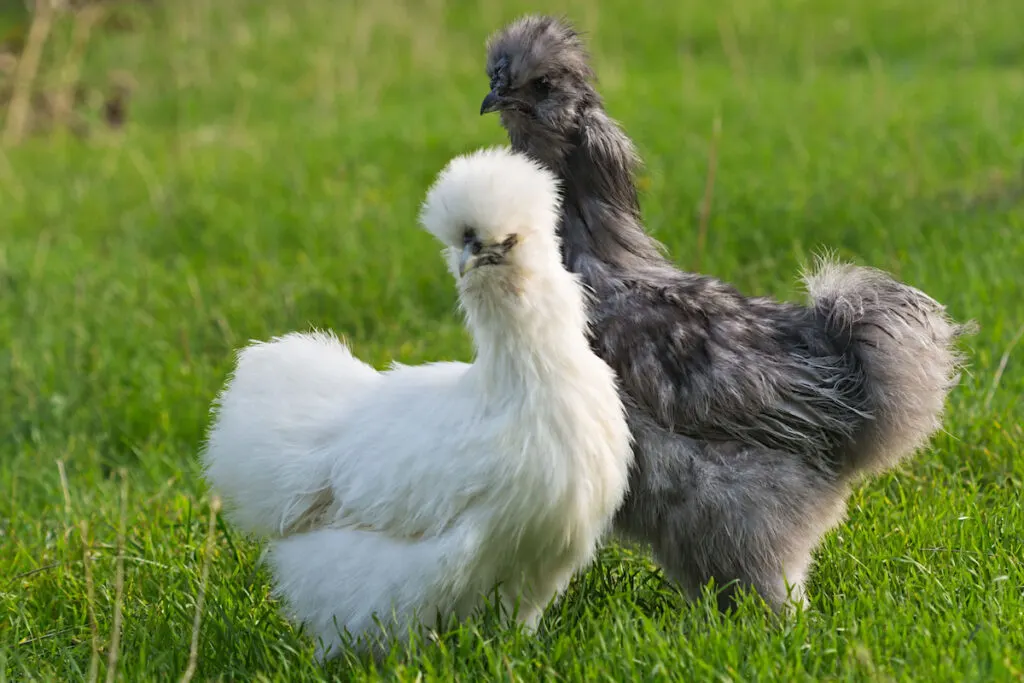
539, 77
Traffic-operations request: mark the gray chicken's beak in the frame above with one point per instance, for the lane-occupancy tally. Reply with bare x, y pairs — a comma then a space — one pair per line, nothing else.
467, 260
491, 103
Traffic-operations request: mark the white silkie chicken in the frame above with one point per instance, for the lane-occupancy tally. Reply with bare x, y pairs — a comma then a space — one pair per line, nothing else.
410, 493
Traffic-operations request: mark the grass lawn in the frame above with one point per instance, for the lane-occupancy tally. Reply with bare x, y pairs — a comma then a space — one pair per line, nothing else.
267, 178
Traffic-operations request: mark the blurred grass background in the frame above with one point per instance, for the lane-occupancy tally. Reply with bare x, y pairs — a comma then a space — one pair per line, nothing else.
227, 170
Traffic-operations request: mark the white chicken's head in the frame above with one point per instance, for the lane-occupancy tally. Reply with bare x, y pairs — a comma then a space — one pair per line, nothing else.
489, 207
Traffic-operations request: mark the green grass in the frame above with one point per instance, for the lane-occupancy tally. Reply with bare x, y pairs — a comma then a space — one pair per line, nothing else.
268, 180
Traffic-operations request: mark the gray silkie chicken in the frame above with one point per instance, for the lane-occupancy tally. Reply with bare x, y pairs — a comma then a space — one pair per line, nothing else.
751, 418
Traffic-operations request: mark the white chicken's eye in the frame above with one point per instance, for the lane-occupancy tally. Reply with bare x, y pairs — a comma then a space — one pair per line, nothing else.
469, 238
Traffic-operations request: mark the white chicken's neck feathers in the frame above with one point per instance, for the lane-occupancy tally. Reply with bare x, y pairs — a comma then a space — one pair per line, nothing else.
527, 325
534, 365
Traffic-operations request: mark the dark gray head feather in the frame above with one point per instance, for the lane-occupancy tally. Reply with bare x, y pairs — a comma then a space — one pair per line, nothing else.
537, 46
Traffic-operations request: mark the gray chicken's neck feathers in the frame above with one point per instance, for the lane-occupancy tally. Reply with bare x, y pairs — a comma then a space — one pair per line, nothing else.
601, 229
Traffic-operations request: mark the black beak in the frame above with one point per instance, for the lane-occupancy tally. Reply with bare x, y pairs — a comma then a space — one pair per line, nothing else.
491, 103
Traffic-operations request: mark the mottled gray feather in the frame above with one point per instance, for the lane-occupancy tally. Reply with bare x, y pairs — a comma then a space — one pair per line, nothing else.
751, 417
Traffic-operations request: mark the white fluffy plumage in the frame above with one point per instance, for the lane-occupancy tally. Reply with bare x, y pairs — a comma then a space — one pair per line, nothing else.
409, 493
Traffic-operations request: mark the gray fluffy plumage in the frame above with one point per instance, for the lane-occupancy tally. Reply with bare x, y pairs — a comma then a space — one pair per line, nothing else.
751, 417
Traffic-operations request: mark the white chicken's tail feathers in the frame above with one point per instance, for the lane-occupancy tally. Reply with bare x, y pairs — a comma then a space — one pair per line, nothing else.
905, 344
264, 453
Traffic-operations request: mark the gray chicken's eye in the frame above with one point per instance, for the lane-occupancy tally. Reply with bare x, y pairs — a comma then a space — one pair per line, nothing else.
541, 86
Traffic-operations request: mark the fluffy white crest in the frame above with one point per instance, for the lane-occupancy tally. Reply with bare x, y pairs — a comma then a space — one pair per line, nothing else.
495, 192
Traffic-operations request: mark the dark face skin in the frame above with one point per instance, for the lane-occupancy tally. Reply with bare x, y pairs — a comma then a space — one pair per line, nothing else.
524, 93
476, 254
538, 78
548, 99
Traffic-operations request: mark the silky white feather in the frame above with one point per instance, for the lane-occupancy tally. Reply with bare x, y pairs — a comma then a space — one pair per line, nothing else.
403, 494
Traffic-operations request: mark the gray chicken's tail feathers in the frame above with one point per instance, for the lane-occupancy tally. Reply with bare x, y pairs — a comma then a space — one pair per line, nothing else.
905, 345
